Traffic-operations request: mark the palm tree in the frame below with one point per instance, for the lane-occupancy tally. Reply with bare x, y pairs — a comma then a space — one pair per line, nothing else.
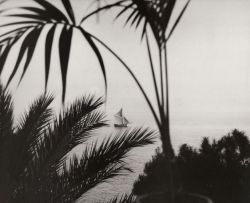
154, 15
35, 165
44, 19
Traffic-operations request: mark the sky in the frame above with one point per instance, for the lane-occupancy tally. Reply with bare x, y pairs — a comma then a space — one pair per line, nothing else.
209, 69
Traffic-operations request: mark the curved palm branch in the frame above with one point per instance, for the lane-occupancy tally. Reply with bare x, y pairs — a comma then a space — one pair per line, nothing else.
35, 20
73, 126
29, 131
100, 162
34, 165
155, 13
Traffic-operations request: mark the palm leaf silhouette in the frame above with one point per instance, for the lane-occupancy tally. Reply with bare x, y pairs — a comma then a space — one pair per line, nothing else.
155, 13
34, 161
35, 21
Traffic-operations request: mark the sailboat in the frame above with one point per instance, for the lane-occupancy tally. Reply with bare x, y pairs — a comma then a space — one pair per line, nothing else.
120, 120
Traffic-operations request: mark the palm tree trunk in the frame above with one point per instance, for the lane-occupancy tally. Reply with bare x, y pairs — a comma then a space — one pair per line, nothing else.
166, 138
169, 156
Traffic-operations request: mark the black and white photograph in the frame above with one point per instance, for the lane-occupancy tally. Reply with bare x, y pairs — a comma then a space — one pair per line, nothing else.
124, 101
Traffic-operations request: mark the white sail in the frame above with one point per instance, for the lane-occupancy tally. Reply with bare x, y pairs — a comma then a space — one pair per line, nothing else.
120, 120
119, 113
119, 117
125, 121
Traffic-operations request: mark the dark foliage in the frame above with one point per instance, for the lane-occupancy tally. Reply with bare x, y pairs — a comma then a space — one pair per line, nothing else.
219, 170
154, 178
35, 165
154, 172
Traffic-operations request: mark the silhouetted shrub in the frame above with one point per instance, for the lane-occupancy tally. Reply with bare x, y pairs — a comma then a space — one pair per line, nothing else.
218, 169
154, 172
154, 178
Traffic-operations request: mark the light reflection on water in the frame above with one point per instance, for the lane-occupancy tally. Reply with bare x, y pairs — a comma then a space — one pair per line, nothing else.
121, 184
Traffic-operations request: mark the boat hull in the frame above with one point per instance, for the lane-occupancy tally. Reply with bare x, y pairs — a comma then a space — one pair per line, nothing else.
120, 125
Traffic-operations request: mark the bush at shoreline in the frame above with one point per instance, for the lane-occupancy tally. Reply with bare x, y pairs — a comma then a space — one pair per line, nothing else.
218, 169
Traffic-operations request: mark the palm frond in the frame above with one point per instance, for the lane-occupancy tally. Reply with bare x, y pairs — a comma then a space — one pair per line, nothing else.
126, 198
68, 8
17, 152
6, 114
155, 13
30, 128
40, 17
25, 46
7, 43
178, 20
35, 20
48, 13
30, 47
89, 39
64, 52
35, 165
124, 10
33, 25
100, 162
71, 128
53, 11
36, 119
102, 8
48, 52
72, 183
